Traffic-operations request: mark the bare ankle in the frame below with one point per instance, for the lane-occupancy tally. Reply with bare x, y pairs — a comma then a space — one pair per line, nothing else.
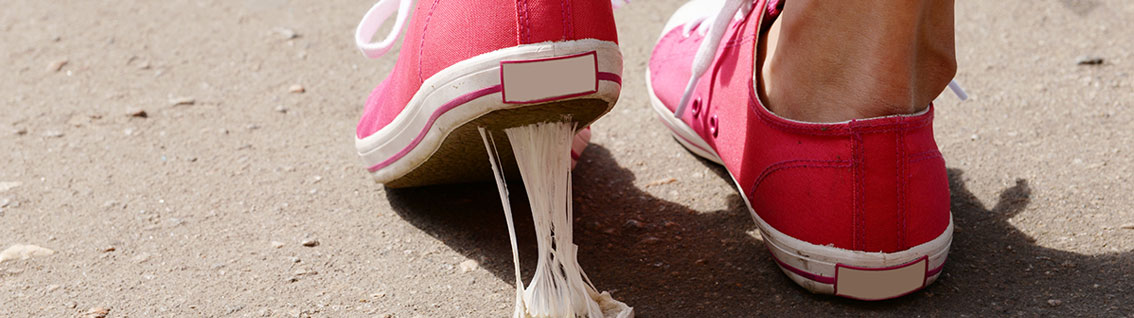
838, 61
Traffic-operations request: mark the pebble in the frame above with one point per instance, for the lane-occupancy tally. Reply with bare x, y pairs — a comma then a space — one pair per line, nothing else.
1127, 226
296, 89
23, 252
9, 185
21, 131
649, 240
661, 182
303, 272
286, 33
281, 109
98, 312
57, 65
310, 243
52, 134
1054, 302
632, 223
468, 266
182, 101
142, 258
1089, 60
277, 244
109, 249
137, 112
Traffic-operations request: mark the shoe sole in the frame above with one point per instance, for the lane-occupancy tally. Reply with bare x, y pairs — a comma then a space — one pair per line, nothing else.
434, 140
825, 269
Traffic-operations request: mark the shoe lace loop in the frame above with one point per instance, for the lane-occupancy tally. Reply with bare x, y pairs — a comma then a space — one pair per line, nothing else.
377, 16
729, 10
373, 21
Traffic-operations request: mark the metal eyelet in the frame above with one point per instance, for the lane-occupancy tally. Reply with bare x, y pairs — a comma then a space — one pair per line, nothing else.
696, 107
713, 125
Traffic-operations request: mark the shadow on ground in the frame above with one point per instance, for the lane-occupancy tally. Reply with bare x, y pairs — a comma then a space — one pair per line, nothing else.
678, 262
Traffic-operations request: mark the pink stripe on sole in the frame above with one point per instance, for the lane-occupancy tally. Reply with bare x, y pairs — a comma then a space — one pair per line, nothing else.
463, 99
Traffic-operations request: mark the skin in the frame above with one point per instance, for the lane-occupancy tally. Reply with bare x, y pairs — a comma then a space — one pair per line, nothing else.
832, 61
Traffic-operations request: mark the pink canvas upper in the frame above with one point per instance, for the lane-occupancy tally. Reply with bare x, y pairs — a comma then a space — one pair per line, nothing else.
875, 185
442, 33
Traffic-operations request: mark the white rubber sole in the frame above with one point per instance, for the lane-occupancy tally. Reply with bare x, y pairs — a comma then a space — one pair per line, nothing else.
510, 78
825, 269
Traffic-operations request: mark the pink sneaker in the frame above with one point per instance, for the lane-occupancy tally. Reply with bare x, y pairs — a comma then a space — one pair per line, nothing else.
858, 209
491, 63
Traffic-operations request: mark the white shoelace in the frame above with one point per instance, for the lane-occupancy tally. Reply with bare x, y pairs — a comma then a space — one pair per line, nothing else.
729, 10
377, 16
718, 23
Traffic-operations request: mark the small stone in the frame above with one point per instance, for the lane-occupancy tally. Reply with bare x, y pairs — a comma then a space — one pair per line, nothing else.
649, 240
286, 33
21, 131
109, 249
52, 287
98, 312
1089, 60
137, 112
296, 89
9, 185
182, 101
277, 244
661, 182
310, 243
634, 224
23, 252
281, 109
468, 266
303, 272
1054, 302
141, 258
57, 65
52, 134
294, 259
378, 295
1127, 226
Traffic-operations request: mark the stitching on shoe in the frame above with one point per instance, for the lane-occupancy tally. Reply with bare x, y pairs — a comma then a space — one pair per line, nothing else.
875, 125
799, 163
421, 45
859, 190
900, 187
567, 24
924, 155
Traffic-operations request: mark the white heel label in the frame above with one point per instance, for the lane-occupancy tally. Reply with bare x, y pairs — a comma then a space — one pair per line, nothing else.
532, 81
880, 283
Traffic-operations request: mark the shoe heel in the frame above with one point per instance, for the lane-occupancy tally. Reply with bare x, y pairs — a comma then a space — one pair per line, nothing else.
549, 79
